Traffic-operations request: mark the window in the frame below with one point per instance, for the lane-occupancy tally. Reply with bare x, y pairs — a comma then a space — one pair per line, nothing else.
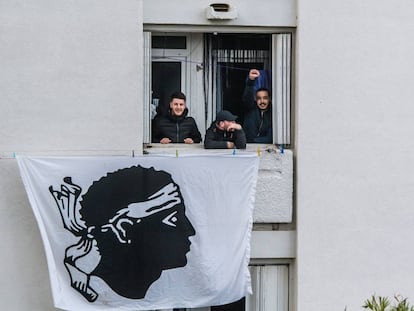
211, 69
270, 286
169, 42
173, 64
231, 57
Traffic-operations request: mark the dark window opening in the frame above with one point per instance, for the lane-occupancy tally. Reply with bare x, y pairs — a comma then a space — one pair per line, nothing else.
169, 42
232, 56
241, 41
166, 79
232, 83
239, 305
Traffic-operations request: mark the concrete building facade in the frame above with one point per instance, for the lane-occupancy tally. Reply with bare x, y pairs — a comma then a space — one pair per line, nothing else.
333, 220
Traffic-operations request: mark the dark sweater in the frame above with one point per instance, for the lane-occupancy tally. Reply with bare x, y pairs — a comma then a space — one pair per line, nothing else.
257, 123
217, 139
175, 128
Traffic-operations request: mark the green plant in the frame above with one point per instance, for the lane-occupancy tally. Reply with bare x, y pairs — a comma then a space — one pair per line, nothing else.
379, 303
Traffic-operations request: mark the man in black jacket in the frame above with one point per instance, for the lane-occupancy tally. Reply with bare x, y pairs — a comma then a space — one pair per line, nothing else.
258, 118
225, 133
176, 126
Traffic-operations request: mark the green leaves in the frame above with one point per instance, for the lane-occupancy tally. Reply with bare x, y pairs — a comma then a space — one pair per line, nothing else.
379, 303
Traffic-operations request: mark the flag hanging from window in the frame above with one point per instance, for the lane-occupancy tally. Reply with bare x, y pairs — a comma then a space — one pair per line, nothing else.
140, 233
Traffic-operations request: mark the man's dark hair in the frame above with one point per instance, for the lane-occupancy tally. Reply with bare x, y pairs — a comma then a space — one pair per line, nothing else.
117, 190
264, 89
130, 267
178, 95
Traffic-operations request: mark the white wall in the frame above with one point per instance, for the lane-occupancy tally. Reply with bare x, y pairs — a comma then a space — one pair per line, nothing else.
354, 141
355, 152
69, 84
24, 282
70, 75
249, 13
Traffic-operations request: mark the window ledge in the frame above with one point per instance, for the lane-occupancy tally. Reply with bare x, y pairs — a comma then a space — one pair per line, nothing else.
156, 148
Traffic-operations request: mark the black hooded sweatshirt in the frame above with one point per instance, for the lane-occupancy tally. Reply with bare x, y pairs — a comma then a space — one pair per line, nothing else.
175, 128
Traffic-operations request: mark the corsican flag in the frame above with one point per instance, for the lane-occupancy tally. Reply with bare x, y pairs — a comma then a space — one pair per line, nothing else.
141, 233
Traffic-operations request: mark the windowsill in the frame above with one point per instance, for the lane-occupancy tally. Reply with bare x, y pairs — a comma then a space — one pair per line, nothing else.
153, 148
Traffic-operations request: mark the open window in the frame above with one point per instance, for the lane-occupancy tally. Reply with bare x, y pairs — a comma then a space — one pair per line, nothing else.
211, 69
270, 286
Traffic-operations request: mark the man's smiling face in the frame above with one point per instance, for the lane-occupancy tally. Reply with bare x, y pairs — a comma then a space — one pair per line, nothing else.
177, 106
262, 100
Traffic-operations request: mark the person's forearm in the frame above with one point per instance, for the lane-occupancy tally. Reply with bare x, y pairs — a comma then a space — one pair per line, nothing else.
248, 95
240, 141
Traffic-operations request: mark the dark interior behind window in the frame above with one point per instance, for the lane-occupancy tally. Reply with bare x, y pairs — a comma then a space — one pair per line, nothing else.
169, 42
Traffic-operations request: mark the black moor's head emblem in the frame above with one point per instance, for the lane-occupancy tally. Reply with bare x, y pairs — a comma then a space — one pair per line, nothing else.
132, 226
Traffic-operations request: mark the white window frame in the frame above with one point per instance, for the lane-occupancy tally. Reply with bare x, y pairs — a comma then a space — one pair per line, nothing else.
147, 87
191, 79
281, 80
270, 286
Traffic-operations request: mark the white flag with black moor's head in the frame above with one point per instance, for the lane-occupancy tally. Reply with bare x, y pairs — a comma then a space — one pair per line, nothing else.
140, 233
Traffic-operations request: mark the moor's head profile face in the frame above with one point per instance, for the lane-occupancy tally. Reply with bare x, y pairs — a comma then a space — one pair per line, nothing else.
138, 220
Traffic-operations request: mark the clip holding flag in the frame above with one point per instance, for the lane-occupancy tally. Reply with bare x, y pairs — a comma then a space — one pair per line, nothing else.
258, 151
234, 151
176, 153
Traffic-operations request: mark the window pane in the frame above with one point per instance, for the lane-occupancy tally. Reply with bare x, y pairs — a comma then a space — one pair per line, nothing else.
169, 42
241, 42
232, 55
270, 285
166, 79
235, 306
230, 86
